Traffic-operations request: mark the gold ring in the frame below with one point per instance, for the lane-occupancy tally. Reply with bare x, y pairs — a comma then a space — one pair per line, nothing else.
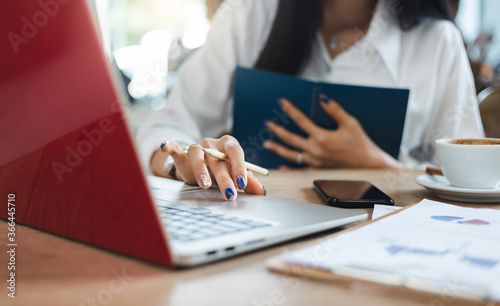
187, 149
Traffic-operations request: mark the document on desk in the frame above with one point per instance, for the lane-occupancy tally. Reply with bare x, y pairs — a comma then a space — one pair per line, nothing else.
380, 210
433, 247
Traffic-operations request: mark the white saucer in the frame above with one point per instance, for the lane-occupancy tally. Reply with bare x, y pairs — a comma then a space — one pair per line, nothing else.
443, 189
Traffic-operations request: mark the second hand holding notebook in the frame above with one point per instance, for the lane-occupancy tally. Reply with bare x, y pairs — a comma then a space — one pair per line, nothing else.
381, 111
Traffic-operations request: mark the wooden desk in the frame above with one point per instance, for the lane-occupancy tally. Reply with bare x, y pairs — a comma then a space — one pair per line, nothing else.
56, 271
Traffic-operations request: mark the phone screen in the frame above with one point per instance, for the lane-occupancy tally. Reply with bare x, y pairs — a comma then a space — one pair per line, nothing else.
351, 194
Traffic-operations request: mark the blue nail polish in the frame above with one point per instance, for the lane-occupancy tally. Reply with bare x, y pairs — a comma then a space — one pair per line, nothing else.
265, 191
324, 98
241, 182
281, 102
266, 124
163, 144
229, 193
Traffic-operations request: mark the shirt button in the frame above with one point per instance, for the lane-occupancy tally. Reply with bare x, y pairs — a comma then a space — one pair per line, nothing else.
368, 53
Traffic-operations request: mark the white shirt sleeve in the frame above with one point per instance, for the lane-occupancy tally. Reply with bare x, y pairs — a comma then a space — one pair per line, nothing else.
453, 108
200, 106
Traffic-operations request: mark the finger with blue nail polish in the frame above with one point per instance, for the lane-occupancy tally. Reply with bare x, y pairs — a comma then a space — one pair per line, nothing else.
221, 172
241, 183
324, 98
254, 186
229, 193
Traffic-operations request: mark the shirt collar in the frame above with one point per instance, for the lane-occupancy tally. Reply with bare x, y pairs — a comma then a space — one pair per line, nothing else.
385, 35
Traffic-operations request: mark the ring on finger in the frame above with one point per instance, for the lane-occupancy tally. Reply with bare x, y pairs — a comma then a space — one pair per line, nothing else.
300, 158
192, 145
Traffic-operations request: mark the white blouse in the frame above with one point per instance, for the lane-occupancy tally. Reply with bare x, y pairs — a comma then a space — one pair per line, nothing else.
430, 60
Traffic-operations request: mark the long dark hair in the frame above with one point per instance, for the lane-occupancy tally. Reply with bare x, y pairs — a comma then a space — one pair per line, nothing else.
296, 23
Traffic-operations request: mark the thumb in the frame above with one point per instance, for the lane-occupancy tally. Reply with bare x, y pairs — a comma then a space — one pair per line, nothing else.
334, 110
254, 186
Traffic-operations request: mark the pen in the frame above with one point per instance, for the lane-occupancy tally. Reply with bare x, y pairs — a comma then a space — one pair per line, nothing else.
223, 156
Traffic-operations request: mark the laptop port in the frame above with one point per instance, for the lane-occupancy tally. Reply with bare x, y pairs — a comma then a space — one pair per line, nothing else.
211, 253
230, 249
255, 241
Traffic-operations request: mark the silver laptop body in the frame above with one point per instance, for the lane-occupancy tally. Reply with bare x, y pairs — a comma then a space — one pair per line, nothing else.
261, 221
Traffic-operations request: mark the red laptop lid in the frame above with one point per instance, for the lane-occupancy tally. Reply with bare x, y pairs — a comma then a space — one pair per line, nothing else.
66, 154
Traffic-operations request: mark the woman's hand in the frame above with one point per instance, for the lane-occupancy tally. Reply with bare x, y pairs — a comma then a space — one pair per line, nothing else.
347, 146
196, 168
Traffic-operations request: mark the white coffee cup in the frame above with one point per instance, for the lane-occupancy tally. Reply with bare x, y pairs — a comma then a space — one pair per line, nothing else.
470, 163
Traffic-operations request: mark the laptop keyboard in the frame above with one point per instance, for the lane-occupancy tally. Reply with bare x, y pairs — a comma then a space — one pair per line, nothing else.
184, 223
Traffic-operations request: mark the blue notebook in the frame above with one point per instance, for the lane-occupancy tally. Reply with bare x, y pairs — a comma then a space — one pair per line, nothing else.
381, 111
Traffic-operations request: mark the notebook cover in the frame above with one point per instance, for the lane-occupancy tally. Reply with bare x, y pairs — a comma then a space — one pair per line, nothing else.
381, 111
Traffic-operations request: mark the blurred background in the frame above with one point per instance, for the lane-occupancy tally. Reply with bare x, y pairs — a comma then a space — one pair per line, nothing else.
149, 39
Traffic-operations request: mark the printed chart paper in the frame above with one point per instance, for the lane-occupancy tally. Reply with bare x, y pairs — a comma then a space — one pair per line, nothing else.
432, 246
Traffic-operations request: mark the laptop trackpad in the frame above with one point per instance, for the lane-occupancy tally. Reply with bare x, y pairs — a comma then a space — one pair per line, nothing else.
210, 199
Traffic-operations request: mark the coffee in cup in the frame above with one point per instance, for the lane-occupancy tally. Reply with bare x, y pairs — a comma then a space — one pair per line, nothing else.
470, 163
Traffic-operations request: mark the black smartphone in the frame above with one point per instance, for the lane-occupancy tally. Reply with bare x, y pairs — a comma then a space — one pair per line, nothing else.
351, 194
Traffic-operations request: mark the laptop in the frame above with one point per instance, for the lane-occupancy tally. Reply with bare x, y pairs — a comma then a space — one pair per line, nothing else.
68, 164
